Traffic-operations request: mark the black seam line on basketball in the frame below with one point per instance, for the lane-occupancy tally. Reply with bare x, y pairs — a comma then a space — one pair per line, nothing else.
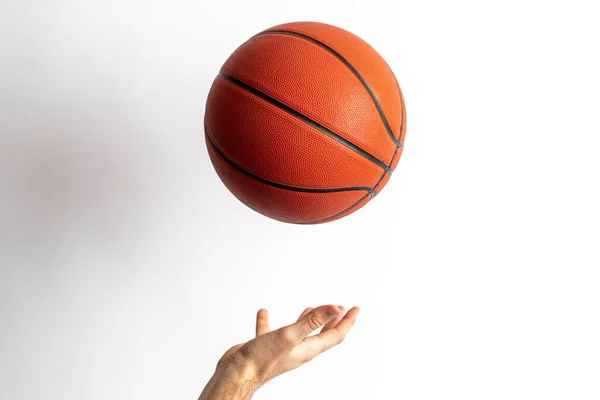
279, 185
354, 71
402, 104
357, 202
373, 191
305, 119
347, 208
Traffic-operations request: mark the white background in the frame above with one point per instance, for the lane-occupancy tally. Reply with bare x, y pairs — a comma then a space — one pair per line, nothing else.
127, 268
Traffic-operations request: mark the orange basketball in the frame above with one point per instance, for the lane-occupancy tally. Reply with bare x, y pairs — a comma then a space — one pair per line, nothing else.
305, 123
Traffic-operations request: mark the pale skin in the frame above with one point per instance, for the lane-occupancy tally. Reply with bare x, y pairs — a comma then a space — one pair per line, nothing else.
247, 366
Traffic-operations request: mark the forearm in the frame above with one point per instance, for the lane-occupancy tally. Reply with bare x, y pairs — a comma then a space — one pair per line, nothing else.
230, 383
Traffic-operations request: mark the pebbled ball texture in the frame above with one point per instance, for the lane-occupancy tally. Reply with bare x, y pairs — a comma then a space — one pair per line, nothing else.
305, 123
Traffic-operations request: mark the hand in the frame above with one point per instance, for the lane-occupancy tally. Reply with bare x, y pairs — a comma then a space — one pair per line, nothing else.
272, 353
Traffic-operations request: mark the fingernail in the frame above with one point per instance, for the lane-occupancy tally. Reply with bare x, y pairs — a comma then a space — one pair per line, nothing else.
332, 312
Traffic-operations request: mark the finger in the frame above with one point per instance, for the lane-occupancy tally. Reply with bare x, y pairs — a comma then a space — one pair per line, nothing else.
306, 311
262, 322
346, 323
324, 341
310, 322
331, 324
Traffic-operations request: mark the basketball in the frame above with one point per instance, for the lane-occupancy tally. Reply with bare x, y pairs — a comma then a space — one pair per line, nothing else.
305, 123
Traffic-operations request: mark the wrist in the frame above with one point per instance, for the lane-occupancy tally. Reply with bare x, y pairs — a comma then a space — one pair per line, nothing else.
239, 371
232, 381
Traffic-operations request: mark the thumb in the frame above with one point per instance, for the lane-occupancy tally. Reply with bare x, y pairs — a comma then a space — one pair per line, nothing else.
313, 321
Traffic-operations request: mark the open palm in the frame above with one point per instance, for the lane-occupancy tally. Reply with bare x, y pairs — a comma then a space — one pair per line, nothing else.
272, 353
